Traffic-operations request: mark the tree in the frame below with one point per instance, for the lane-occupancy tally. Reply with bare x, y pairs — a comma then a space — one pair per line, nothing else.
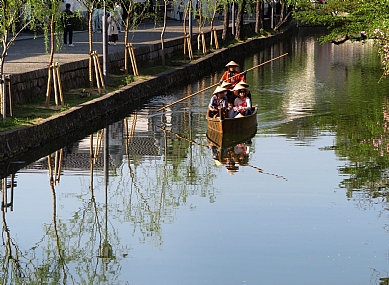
52, 28
15, 17
133, 15
90, 5
239, 35
349, 20
226, 20
258, 16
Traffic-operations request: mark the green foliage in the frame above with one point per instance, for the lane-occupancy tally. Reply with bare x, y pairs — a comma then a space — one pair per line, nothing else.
17, 15
349, 20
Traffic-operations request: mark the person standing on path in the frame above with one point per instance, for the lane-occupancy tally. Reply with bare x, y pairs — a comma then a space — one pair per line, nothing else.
112, 30
181, 9
68, 27
118, 15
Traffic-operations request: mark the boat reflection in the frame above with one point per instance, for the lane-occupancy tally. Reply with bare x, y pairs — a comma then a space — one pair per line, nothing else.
232, 150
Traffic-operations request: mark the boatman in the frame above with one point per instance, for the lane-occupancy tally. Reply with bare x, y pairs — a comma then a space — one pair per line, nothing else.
231, 75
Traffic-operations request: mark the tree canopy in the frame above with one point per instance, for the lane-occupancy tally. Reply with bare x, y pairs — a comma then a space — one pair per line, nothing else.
349, 20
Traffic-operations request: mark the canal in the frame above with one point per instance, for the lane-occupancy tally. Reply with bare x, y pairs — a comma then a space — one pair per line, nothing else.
152, 199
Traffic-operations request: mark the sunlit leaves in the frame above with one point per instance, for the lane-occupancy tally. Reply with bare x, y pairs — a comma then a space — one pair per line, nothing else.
349, 20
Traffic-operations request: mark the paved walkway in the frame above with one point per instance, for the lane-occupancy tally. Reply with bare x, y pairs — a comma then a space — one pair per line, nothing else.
28, 54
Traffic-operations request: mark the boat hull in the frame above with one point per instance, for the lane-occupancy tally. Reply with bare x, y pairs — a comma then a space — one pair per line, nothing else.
225, 140
232, 125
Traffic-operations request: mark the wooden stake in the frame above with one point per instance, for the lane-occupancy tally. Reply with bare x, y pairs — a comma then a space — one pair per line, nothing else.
215, 37
204, 44
55, 82
60, 163
59, 84
131, 52
10, 96
136, 72
190, 48
50, 169
96, 73
48, 92
99, 69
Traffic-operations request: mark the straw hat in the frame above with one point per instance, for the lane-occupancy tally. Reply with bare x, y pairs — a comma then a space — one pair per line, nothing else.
243, 84
232, 63
226, 85
219, 89
239, 87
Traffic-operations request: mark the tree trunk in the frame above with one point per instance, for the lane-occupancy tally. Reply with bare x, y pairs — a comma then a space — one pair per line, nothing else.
163, 33
2, 83
52, 39
258, 16
90, 33
226, 21
239, 35
127, 27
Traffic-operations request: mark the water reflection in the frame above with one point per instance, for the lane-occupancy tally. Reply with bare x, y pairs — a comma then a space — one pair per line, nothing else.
150, 199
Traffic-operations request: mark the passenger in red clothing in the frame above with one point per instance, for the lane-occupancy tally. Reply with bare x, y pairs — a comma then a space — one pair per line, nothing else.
231, 75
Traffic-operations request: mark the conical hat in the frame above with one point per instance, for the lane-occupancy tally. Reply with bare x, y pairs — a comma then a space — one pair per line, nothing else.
232, 63
240, 87
219, 89
243, 84
226, 85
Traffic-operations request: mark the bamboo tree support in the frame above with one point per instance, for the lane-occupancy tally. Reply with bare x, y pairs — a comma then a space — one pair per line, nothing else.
58, 74
55, 80
57, 165
201, 41
131, 52
187, 42
99, 140
55, 173
5, 186
98, 72
214, 37
8, 81
5, 88
130, 133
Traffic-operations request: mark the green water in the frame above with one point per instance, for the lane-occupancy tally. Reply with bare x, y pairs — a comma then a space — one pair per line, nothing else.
306, 205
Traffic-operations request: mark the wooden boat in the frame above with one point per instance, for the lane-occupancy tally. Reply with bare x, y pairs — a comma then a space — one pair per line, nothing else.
225, 140
220, 124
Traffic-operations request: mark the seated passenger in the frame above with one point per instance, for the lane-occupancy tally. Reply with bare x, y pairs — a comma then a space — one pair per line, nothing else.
244, 84
230, 110
242, 103
218, 101
230, 94
231, 75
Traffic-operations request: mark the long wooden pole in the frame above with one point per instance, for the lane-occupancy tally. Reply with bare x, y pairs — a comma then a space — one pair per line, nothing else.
213, 85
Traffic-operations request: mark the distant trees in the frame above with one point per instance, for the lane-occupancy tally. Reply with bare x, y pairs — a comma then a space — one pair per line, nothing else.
349, 20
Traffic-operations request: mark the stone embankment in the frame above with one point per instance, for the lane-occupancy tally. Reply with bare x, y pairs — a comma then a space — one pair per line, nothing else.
15, 143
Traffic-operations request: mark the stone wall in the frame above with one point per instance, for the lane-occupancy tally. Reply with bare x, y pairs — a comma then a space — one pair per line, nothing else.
17, 142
